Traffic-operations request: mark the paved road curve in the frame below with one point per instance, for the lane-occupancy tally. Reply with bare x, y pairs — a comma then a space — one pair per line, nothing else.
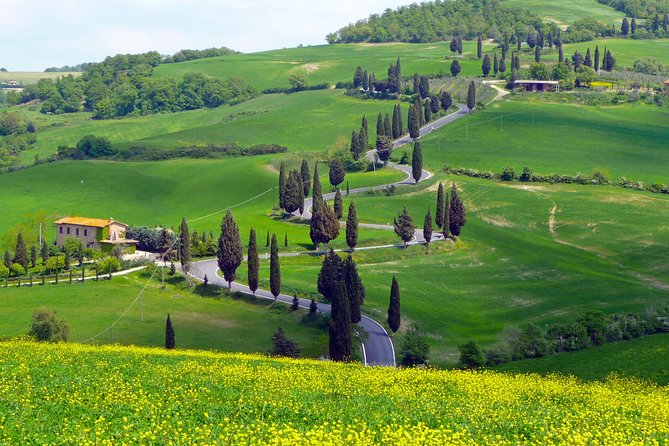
377, 346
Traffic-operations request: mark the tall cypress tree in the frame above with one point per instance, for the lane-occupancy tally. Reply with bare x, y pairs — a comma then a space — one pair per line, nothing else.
357, 77
439, 212
294, 194
33, 256
317, 192
416, 83
253, 262
354, 289
331, 272
588, 59
625, 27
394, 319
387, 127
424, 87
338, 206
380, 129
337, 172
306, 177
21, 253
460, 44
597, 58
502, 66
537, 54
428, 111
184, 246
282, 185
365, 81
230, 252
170, 342
352, 227
446, 100
427, 227
457, 212
495, 65
471, 97
355, 146
633, 25
414, 121
665, 22
446, 227
397, 131
365, 126
8, 260
656, 23
398, 76
479, 47
485, 66
274, 269
417, 162
560, 54
363, 141
340, 325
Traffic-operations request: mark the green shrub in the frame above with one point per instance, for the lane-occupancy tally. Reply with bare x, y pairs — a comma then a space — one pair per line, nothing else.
108, 264
47, 327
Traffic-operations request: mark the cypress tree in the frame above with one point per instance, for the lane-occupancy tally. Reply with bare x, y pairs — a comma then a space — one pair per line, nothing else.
337, 173
455, 68
33, 256
363, 141
285, 240
294, 194
282, 185
44, 252
439, 212
21, 253
427, 227
610, 61
392, 79
485, 66
8, 260
419, 112
424, 87
479, 47
317, 192
274, 269
517, 62
380, 129
355, 290
537, 54
471, 96
625, 27
519, 43
230, 252
495, 65
355, 145
184, 246
588, 59
417, 162
394, 319
398, 76
560, 54
306, 177
502, 66
459, 44
365, 81
531, 39
665, 22
446, 100
170, 342
357, 78
633, 25
324, 225
446, 228
387, 127
253, 262
428, 111
340, 325
281, 345
397, 131
656, 23
416, 83
352, 227
403, 226
434, 104
597, 59
331, 272
457, 213
67, 261
454, 45
365, 126
338, 206
414, 122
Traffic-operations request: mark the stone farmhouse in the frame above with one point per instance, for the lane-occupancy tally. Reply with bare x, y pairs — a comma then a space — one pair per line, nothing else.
94, 233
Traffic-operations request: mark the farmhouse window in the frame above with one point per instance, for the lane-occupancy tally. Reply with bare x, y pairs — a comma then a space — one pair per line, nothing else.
85, 232
77, 231
61, 229
68, 231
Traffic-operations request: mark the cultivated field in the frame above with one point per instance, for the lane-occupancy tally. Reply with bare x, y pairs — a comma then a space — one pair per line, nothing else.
30, 77
112, 395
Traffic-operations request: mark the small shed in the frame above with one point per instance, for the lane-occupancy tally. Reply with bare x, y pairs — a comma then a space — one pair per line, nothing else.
532, 85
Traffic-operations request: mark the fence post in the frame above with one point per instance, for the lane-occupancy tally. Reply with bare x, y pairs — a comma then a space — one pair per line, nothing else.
83, 273
97, 277
70, 276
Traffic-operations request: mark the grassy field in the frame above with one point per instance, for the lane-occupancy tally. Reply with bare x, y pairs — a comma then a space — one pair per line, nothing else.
626, 140
202, 319
508, 269
30, 77
645, 358
626, 51
97, 395
564, 12
308, 121
328, 63
161, 193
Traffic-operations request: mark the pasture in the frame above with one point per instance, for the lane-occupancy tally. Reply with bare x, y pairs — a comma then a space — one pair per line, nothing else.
564, 12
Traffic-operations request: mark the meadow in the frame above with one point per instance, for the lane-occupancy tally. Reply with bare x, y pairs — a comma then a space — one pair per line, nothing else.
528, 254
625, 140
119, 395
161, 193
626, 51
564, 12
643, 358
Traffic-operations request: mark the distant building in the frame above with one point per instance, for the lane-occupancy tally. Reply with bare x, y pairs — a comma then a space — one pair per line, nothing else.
94, 233
532, 85
666, 83
12, 83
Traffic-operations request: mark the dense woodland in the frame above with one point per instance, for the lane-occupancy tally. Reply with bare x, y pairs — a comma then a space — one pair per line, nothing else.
122, 85
639, 8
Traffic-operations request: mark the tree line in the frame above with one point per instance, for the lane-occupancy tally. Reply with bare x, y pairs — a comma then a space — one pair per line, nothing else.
644, 9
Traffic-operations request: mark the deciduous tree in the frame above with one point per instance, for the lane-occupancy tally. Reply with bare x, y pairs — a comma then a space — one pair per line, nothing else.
404, 227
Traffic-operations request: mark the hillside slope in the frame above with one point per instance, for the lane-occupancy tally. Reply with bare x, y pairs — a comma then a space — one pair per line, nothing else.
78, 394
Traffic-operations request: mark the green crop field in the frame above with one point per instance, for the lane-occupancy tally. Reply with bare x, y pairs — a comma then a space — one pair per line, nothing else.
564, 12
202, 319
607, 252
328, 63
154, 193
30, 77
626, 140
645, 358
308, 121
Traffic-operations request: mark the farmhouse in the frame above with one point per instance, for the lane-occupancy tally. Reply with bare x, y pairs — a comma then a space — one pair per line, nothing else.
94, 233
532, 85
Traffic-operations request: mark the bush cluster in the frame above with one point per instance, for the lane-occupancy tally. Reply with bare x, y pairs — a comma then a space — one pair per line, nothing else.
288, 90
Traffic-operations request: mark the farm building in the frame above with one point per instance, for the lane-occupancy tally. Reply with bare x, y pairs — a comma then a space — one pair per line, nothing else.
532, 85
94, 233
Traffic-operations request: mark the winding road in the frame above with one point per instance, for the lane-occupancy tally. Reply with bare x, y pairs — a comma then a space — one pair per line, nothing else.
377, 345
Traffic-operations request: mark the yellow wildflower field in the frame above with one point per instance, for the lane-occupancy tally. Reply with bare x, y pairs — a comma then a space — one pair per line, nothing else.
113, 395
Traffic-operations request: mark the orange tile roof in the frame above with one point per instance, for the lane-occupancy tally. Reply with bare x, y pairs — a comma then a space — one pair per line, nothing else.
82, 221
